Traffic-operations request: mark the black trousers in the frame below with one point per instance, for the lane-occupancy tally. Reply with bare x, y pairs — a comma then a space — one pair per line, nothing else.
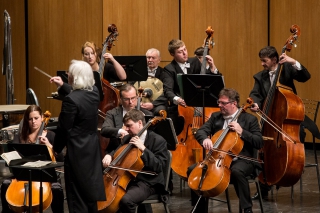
137, 192
240, 169
76, 200
57, 197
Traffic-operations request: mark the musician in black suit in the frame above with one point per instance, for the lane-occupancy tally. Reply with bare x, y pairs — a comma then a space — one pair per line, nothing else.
247, 127
181, 64
154, 70
77, 130
112, 126
292, 70
154, 157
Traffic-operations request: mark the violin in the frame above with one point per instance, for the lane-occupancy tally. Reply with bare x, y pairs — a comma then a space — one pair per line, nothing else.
17, 194
188, 150
283, 154
125, 166
111, 94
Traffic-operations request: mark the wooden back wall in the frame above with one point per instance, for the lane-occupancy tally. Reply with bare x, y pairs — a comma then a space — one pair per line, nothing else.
57, 29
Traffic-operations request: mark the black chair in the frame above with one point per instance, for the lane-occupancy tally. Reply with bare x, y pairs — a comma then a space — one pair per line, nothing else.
309, 123
162, 198
31, 97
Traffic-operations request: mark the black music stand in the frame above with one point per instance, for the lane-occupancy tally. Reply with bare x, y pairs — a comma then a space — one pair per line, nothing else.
31, 153
166, 130
200, 90
135, 67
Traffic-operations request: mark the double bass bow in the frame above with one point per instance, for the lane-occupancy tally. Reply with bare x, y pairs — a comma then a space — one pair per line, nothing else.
125, 166
283, 154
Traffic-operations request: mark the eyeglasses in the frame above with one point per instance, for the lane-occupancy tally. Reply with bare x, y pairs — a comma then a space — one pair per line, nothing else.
129, 99
224, 103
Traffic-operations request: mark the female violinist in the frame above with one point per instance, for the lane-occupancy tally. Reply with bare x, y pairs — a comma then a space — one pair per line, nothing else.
32, 120
154, 155
292, 70
247, 127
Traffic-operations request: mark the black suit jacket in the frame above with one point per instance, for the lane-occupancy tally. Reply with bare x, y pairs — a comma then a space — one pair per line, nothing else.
154, 157
161, 100
112, 124
170, 83
262, 81
251, 134
77, 129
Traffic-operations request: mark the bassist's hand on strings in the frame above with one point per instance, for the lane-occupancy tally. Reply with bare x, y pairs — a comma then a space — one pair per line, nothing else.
106, 160
181, 102
254, 107
285, 58
211, 63
207, 144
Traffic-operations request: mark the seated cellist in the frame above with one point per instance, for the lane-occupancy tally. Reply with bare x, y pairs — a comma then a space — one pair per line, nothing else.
154, 157
32, 120
248, 129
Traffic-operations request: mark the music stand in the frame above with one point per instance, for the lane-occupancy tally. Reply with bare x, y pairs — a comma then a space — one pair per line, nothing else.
31, 153
166, 130
201, 90
135, 67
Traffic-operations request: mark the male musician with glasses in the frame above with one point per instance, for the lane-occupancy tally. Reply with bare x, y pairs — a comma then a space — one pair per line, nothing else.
292, 70
154, 157
112, 126
247, 127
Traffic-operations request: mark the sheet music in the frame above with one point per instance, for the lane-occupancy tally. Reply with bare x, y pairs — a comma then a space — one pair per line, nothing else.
8, 156
38, 163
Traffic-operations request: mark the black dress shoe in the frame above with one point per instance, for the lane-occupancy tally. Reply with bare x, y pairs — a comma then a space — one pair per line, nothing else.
248, 210
170, 186
256, 196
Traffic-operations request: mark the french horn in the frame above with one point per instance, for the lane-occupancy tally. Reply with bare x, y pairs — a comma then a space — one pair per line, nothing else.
151, 89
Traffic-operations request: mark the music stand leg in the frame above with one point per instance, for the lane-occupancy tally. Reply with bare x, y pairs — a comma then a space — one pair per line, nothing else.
30, 191
41, 194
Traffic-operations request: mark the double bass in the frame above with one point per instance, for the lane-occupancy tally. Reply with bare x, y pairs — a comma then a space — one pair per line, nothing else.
17, 194
188, 150
283, 153
111, 94
125, 166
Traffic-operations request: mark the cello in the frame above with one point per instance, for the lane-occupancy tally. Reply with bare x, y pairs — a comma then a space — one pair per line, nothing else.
125, 166
188, 150
111, 94
212, 176
17, 194
283, 154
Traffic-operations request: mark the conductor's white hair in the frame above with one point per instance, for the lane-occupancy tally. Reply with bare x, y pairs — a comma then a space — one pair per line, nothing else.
82, 75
